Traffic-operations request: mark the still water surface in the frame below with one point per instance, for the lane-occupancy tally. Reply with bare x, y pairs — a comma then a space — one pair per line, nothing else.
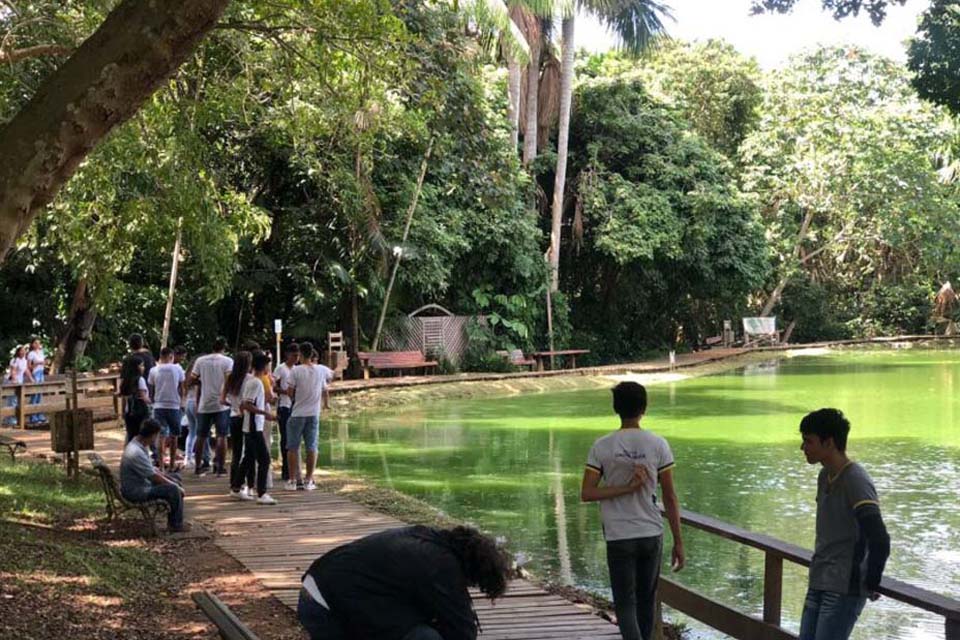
513, 466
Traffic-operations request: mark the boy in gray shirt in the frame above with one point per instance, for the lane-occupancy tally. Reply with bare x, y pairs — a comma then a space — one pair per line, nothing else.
630, 462
852, 544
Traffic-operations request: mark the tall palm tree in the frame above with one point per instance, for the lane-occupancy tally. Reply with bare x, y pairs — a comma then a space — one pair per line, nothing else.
636, 22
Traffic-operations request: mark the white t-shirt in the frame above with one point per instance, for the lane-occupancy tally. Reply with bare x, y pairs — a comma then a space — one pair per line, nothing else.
212, 369
17, 368
234, 400
614, 456
36, 360
308, 381
254, 393
166, 379
142, 386
282, 376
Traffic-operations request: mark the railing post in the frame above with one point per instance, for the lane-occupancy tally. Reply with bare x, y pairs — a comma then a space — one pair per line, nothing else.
952, 629
116, 397
772, 588
21, 408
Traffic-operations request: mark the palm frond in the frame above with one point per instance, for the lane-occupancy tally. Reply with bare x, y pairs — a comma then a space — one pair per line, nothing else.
636, 22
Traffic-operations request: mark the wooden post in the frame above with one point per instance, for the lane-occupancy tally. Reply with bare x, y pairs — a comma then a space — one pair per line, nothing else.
116, 397
772, 588
952, 629
21, 416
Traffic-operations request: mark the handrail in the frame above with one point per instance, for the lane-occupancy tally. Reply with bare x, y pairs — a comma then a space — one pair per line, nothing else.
740, 625
64, 391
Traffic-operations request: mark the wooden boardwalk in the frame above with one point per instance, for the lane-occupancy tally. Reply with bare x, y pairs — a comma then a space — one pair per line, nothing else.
278, 543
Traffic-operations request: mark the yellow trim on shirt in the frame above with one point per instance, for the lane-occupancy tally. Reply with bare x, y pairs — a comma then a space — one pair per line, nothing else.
863, 502
666, 468
832, 479
594, 469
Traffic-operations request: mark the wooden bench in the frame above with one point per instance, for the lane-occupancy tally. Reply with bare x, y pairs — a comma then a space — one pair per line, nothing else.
117, 504
394, 360
712, 341
226, 621
518, 359
13, 446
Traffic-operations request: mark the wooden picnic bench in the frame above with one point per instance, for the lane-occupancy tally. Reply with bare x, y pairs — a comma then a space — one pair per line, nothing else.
570, 354
117, 504
13, 446
394, 361
228, 624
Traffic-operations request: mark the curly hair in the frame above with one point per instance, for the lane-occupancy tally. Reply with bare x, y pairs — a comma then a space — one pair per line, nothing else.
486, 565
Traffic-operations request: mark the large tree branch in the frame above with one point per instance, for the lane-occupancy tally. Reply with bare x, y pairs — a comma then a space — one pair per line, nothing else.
100, 86
38, 51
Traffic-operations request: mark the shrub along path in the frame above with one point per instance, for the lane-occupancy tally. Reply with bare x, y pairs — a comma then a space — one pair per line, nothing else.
278, 543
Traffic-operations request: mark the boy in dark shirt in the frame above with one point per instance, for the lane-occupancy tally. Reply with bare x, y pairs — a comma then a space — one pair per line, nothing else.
852, 544
402, 584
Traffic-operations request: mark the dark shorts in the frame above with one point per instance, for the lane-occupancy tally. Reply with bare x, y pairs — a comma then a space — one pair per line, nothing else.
169, 419
219, 420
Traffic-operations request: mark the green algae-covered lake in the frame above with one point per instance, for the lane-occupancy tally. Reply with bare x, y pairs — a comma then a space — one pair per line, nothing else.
513, 466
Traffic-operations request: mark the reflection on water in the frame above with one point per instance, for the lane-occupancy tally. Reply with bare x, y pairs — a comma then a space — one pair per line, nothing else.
513, 466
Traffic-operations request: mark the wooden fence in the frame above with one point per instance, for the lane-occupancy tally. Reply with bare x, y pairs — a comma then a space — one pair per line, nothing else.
100, 393
741, 626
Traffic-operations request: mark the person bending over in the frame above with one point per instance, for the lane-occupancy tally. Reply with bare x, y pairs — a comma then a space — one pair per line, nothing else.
140, 481
408, 583
630, 463
852, 544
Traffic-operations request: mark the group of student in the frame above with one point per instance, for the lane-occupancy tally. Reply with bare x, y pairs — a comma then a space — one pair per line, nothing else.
27, 366
411, 583
220, 400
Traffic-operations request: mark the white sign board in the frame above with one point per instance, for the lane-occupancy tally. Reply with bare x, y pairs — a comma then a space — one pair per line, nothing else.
278, 326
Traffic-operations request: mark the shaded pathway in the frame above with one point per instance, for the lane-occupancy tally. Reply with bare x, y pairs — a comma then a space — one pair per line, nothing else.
278, 543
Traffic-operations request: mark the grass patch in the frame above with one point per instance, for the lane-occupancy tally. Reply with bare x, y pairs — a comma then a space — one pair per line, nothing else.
40, 492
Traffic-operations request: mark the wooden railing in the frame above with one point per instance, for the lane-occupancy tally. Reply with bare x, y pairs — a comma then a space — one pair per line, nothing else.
97, 392
742, 626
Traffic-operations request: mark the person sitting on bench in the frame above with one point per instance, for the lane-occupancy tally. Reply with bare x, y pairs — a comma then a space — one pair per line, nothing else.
140, 481
408, 583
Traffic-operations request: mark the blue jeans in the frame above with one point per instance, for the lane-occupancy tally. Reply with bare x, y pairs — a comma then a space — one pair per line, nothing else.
321, 624
11, 402
190, 445
828, 615
169, 419
305, 427
36, 398
170, 493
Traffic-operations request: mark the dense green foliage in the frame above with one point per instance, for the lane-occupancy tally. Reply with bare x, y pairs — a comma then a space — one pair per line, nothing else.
288, 150
934, 55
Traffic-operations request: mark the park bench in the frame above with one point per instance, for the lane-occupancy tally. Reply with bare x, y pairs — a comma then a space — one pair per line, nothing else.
117, 504
226, 621
13, 446
517, 358
712, 341
394, 361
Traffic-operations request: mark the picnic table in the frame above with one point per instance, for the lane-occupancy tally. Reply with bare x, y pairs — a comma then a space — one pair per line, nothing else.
570, 354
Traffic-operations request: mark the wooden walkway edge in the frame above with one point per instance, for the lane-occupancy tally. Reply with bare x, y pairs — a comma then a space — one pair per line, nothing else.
277, 544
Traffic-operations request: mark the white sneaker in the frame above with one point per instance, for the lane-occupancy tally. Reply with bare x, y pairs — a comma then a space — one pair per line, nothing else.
241, 495
290, 485
266, 499
310, 485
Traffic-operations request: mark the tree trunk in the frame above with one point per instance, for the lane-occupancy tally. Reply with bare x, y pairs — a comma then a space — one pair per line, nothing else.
174, 263
778, 290
513, 96
354, 366
99, 87
563, 135
533, 88
403, 241
78, 330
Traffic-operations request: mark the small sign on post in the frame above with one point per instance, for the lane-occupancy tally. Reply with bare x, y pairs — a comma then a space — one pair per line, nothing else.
278, 329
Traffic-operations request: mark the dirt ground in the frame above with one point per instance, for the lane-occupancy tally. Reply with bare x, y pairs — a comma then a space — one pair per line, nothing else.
87, 580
